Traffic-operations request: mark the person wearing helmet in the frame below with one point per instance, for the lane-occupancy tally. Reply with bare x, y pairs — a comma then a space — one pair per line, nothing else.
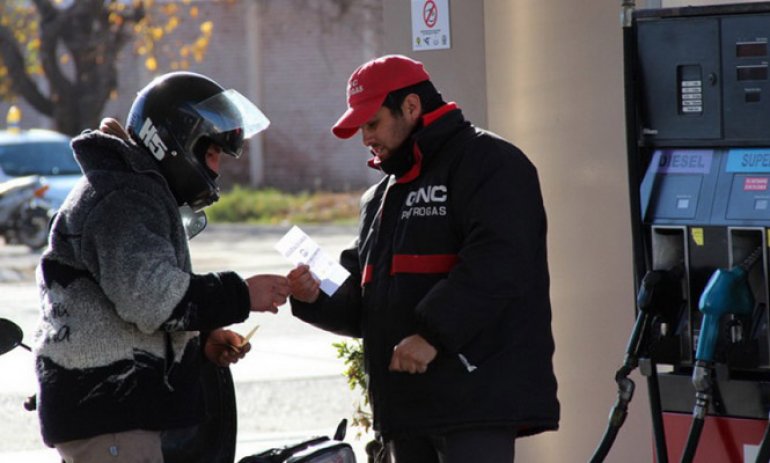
125, 323
449, 284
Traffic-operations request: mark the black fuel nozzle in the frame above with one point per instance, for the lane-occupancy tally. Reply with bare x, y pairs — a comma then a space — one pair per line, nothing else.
659, 293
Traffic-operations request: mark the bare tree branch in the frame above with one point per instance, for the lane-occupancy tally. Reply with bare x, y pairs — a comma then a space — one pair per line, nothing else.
21, 82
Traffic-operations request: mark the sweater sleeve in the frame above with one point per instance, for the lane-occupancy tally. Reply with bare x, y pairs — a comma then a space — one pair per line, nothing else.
126, 248
211, 301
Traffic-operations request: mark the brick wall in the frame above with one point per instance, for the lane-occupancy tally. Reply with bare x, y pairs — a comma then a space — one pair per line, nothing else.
309, 49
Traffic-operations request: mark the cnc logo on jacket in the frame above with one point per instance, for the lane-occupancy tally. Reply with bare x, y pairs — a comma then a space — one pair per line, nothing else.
151, 139
426, 201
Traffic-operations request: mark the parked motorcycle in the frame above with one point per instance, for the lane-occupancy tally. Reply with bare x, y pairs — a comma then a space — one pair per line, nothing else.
213, 441
24, 211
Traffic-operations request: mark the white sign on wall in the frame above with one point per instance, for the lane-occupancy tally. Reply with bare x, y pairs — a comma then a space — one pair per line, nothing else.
430, 25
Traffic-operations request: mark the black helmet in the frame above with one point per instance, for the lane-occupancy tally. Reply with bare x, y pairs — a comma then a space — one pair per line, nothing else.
177, 116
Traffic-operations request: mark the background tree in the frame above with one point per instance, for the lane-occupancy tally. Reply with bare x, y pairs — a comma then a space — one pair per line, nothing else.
60, 56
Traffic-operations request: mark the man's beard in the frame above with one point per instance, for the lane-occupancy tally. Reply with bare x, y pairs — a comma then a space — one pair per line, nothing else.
401, 159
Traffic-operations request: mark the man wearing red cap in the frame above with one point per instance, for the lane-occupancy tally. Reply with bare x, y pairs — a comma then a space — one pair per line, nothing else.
450, 285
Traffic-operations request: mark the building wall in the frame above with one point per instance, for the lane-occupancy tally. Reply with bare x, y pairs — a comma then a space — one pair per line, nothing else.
309, 49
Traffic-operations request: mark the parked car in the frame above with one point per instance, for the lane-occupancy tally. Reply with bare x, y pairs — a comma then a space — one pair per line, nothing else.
40, 152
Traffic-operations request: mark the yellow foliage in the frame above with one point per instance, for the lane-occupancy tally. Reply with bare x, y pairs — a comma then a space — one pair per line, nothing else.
170, 9
157, 33
194, 12
207, 27
151, 64
172, 24
201, 44
14, 115
115, 18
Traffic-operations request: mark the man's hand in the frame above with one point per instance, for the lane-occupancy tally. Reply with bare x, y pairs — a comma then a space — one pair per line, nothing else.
224, 347
267, 292
303, 286
412, 355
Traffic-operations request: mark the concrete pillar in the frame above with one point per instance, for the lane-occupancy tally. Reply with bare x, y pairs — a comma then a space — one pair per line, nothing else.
252, 56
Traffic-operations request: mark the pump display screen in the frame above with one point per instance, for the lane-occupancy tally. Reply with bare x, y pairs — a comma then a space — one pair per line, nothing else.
750, 49
758, 72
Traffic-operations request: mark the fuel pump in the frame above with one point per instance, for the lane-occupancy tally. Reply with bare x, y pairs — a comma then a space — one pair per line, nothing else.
727, 292
697, 98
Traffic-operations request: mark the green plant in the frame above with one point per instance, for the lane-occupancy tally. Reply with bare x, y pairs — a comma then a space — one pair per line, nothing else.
352, 353
272, 206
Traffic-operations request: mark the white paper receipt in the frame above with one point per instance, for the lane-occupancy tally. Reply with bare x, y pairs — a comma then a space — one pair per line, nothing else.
299, 248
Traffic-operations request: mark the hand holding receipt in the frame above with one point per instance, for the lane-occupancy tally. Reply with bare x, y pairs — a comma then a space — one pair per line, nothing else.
299, 248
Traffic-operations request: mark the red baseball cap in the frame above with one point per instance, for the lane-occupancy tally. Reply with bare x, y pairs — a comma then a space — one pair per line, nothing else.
370, 84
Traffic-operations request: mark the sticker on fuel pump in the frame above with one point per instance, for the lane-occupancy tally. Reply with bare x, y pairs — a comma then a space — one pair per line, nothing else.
697, 235
755, 184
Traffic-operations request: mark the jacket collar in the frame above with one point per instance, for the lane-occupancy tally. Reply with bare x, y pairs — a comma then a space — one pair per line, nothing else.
437, 127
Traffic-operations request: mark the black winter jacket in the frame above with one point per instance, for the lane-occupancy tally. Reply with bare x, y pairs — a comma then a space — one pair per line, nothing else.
454, 250
117, 346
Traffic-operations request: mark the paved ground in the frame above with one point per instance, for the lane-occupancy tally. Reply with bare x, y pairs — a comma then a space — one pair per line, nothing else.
288, 388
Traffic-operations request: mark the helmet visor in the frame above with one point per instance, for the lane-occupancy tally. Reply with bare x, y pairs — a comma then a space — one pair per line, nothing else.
229, 111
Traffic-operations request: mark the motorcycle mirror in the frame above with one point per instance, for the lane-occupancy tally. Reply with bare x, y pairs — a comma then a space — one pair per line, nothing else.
10, 335
194, 222
342, 428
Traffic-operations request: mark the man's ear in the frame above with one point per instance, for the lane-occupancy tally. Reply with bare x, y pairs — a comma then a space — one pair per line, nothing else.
412, 107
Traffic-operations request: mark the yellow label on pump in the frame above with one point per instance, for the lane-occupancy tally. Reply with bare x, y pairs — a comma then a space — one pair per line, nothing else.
697, 235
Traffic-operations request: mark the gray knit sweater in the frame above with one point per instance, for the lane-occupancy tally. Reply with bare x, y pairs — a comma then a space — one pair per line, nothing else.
117, 346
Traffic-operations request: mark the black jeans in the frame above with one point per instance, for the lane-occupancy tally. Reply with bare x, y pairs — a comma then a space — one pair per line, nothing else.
480, 445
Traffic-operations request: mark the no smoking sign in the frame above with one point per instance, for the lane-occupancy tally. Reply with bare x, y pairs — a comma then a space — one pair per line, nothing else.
430, 25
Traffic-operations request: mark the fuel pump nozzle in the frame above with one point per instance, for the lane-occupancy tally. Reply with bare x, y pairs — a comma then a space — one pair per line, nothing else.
727, 292
657, 291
